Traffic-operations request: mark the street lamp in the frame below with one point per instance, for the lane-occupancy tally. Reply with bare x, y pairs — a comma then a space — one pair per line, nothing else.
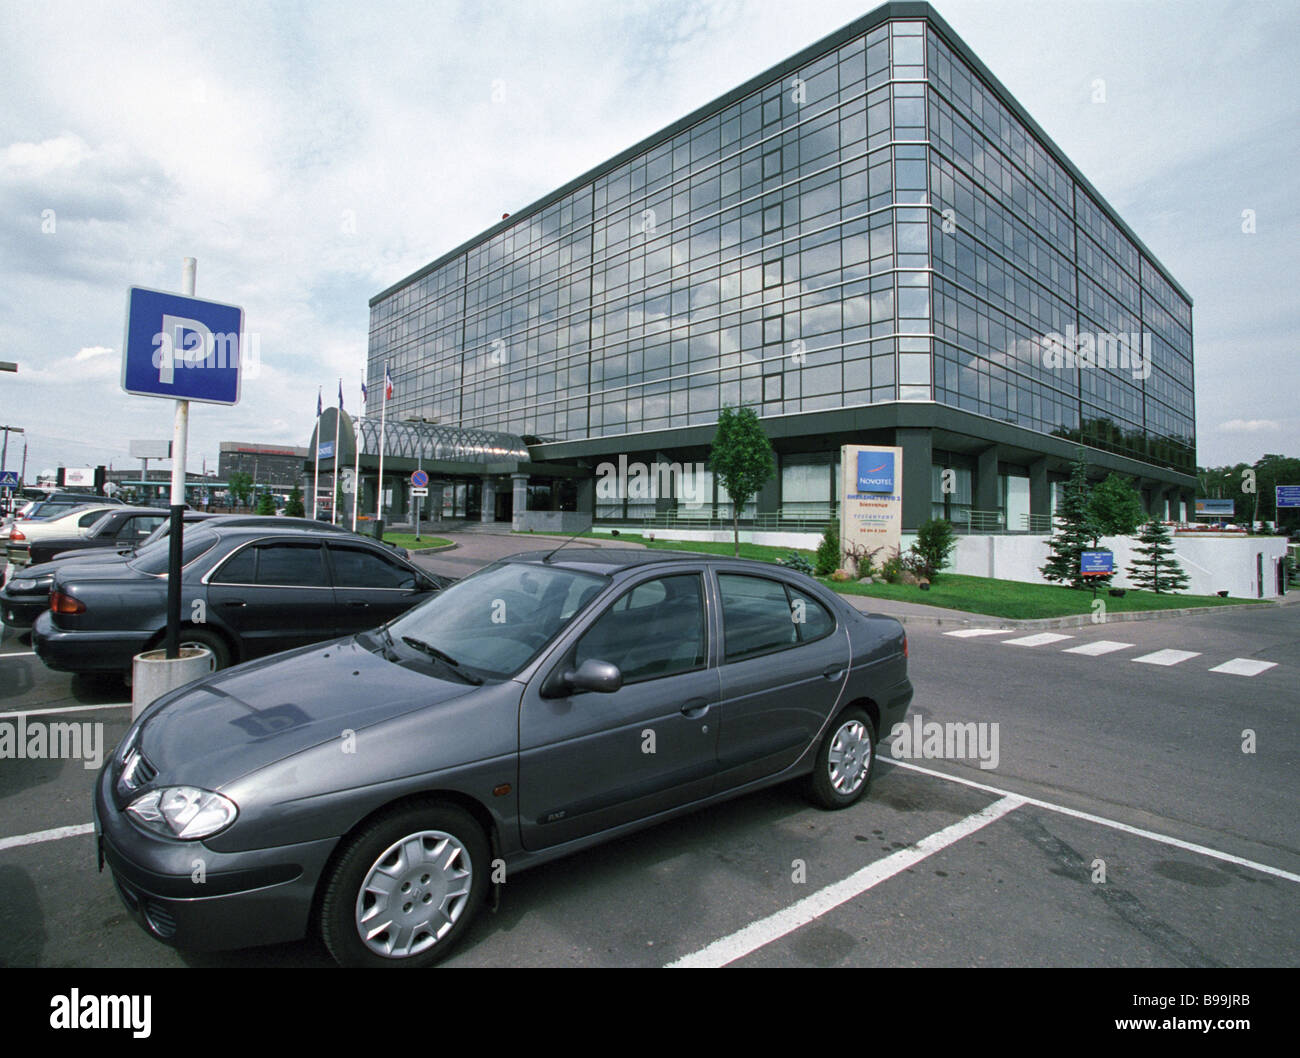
8, 365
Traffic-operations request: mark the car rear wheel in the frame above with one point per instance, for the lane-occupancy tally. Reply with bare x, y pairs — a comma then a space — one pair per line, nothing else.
405, 888
845, 760
199, 637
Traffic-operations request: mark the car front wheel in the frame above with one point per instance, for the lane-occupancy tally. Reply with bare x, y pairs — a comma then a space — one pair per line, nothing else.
405, 888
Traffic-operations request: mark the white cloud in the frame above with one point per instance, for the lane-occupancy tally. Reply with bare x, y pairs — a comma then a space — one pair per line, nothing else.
1249, 426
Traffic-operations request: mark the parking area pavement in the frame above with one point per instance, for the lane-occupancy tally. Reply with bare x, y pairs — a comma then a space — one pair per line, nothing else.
1132, 814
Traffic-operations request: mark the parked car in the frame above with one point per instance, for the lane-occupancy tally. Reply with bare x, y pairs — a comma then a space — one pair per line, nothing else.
369, 786
54, 504
258, 591
121, 528
69, 522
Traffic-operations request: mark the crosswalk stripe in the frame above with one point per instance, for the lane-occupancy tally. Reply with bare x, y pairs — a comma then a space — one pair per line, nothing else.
1041, 639
1097, 647
1244, 667
1168, 657
966, 633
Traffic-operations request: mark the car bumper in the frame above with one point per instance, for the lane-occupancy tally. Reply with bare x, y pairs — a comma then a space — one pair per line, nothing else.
21, 611
86, 651
186, 895
894, 704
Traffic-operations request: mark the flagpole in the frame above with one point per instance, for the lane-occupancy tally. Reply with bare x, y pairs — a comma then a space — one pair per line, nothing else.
315, 481
356, 469
383, 418
335, 498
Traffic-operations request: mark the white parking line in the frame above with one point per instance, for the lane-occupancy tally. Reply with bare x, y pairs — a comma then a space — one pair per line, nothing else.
1039, 640
47, 835
37, 710
765, 930
1167, 657
1244, 667
966, 633
1097, 647
17, 654
1114, 824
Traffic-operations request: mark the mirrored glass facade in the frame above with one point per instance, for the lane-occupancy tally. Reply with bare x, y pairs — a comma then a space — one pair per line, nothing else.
870, 223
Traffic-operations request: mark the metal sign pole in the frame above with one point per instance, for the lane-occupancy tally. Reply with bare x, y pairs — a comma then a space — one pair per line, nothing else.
180, 439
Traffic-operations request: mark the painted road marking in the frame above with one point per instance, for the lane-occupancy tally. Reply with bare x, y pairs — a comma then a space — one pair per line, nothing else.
1114, 824
17, 654
1041, 639
965, 633
47, 835
38, 710
1244, 667
758, 934
1168, 657
1100, 646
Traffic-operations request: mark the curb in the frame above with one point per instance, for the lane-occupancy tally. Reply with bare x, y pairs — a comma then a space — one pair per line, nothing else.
431, 550
978, 620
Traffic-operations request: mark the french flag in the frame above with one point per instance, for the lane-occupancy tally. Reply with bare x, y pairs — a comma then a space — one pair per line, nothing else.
388, 384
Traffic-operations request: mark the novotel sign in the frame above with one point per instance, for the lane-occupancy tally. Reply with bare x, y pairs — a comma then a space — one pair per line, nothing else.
875, 471
871, 499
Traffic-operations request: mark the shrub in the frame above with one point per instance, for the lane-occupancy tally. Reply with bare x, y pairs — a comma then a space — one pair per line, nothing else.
934, 544
828, 551
797, 562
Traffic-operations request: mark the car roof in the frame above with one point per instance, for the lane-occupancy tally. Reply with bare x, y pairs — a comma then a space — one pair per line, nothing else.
611, 560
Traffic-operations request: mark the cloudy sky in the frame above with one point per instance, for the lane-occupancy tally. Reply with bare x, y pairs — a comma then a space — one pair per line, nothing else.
311, 154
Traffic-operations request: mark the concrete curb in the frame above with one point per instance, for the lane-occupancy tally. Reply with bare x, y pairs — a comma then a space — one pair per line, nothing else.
978, 620
432, 550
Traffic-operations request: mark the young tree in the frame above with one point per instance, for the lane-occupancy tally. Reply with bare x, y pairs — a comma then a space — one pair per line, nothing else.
239, 485
742, 459
1076, 532
294, 508
1116, 506
934, 543
828, 551
266, 504
1157, 570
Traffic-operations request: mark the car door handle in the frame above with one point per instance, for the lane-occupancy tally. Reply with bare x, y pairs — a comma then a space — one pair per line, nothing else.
834, 672
359, 605
695, 708
234, 602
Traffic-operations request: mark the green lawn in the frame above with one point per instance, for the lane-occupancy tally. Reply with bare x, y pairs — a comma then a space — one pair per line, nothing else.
408, 541
982, 595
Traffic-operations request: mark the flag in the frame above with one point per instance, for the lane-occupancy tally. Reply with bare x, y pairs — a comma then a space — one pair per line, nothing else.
340, 394
388, 384
320, 408
364, 391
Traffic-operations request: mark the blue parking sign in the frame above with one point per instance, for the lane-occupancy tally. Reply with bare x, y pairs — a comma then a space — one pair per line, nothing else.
182, 348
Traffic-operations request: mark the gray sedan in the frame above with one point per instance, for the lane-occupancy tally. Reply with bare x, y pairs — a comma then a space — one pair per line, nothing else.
374, 788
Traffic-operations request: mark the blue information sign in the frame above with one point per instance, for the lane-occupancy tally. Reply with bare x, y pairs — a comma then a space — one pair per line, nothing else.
181, 347
420, 479
1096, 563
875, 472
326, 450
8, 479
1288, 495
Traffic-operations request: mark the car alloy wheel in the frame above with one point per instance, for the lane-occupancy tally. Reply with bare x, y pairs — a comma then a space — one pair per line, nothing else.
849, 757
413, 894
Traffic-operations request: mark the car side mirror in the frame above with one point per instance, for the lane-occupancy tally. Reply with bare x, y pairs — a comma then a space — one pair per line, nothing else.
594, 675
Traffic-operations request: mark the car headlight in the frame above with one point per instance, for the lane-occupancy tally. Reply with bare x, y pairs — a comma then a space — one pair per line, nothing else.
184, 812
19, 584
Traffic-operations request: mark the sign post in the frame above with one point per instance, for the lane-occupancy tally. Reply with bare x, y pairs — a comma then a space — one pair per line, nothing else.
419, 490
184, 349
1096, 564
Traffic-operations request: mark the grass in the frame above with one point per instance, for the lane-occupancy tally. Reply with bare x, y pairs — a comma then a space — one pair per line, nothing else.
1011, 599
408, 541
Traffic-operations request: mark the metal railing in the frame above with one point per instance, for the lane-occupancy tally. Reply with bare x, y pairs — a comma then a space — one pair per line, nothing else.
995, 523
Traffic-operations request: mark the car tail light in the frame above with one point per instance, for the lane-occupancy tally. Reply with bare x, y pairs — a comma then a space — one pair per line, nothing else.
16, 534
904, 642
62, 603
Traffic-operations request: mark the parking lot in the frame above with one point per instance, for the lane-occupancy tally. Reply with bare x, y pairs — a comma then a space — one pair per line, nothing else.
1141, 812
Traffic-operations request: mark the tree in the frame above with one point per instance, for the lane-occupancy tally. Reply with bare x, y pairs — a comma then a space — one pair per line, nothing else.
1076, 532
934, 543
266, 504
1157, 570
742, 459
828, 551
1116, 506
240, 486
294, 508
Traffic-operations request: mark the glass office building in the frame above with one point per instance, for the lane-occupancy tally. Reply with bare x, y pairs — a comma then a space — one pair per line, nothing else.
869, 243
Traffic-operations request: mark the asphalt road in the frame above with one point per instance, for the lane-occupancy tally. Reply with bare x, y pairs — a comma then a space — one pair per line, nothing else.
1107, 766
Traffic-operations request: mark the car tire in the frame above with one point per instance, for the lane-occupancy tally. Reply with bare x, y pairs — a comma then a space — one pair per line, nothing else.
421, 855
851, 741
201, 637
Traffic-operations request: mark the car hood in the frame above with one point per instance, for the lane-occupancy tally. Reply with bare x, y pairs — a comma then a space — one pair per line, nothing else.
241, 719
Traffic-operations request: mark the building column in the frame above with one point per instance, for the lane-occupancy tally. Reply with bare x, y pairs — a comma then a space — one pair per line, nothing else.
1040, 490
488, 500
586, 501
435, 500
986, 480
519, 500
918, 455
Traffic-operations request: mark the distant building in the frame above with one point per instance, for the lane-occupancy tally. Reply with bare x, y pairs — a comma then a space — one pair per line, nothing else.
279, 466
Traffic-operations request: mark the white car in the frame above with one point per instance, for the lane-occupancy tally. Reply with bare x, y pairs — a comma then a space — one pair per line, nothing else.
22, 533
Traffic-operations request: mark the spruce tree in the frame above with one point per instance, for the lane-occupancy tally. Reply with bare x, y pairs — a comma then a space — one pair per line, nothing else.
1076, 532
1157, 569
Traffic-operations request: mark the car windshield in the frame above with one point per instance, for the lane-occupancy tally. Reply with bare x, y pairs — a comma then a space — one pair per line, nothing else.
153, 559
99, 523
495, 622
